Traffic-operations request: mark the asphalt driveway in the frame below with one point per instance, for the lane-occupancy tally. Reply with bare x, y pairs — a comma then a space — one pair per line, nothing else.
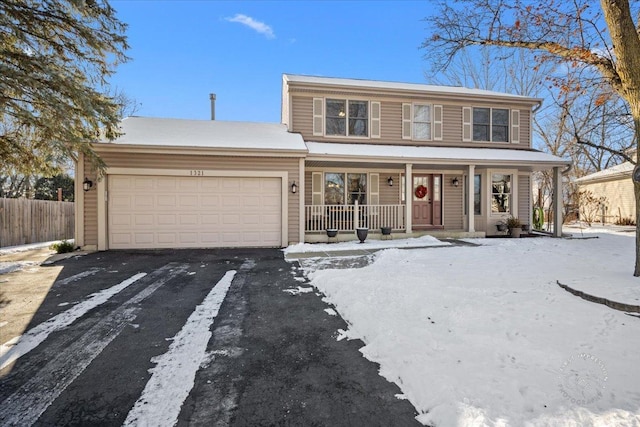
190, 337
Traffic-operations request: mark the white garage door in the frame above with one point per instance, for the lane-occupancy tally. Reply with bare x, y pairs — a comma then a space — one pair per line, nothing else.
193, 212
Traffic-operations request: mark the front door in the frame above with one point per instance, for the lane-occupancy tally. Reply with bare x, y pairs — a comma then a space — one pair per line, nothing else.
427, 200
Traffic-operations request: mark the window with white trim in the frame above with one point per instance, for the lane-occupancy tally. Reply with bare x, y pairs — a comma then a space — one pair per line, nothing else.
491, 124
501, 194
422, 121
477, 182
345, 188
347, 118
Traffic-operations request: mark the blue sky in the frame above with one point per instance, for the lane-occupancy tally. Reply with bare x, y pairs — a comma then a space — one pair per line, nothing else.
183, 50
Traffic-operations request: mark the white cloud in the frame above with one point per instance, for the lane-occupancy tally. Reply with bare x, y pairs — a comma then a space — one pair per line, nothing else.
258, 26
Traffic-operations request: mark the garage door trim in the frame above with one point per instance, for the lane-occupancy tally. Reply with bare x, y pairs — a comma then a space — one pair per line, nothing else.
102, 191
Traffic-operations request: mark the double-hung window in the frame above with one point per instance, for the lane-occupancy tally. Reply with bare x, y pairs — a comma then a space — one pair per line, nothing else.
491, 124
347, 117
500, 193
422, 121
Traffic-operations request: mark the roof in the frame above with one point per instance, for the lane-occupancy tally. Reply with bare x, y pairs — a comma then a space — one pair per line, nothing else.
150, 131
398, 86
436, 155
622, 170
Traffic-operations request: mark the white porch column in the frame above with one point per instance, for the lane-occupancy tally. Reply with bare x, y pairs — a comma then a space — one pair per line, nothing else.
471, 220
557, 202
408, 197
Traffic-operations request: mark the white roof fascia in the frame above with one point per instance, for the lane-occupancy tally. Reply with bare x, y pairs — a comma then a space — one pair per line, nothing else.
405, 87
320, 151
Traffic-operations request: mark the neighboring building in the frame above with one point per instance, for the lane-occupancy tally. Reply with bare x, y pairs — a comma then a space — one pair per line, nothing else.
615, 186
348, 153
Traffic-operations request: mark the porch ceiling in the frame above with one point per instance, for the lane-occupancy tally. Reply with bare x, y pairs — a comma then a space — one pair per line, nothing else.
323, 154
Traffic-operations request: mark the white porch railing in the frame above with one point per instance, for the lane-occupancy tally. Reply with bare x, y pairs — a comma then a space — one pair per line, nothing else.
350, 217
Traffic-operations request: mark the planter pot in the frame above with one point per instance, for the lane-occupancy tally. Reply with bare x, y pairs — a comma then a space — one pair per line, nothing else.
501, 227
525, 228
332, 232
385, 231
516, 231
362, 234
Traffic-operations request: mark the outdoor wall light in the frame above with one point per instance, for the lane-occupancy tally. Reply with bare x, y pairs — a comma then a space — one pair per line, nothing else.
294, 187
87, 184
390, 182
455, 182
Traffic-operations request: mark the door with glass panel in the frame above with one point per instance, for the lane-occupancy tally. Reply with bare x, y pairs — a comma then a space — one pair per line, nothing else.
427, 200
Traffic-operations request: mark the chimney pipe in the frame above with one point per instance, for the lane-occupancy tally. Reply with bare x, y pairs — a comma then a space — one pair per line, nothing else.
212, 97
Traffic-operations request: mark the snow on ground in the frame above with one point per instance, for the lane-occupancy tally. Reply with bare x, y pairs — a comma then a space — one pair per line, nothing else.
28, 247
368, 244
484, 335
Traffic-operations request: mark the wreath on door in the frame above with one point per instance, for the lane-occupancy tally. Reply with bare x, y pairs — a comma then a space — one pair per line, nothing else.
421, 191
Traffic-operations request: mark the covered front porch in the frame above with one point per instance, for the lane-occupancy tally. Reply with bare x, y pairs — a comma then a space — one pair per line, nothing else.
343, 191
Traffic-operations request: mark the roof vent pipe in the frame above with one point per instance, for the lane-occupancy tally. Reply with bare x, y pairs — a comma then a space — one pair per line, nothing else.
212, 97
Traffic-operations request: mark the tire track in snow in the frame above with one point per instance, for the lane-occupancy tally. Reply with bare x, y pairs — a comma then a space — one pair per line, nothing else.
174, 375
18, 346
26, 404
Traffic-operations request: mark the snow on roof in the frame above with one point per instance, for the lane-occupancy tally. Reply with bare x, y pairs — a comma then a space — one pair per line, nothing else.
415, 87
459, 155
618, 171
151, 131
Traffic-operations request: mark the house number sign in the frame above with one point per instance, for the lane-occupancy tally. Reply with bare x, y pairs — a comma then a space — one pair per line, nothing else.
196, 172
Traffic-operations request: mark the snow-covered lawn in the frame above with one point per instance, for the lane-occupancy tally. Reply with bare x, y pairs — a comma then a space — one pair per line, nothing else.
485, 336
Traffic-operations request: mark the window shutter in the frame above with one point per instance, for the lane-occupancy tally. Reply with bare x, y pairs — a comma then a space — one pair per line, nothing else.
437, 122
374, 188
375, 120
406, 121
318, 116
515, 126
466, 124
316, 188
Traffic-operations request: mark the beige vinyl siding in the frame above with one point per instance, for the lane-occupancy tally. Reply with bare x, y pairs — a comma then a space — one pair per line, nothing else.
389, 195
391, 121
90, 206
190, 162
620, 200
524, 199
452, 208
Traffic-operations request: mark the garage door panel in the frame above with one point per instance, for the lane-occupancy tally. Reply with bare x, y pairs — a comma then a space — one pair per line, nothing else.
173, 212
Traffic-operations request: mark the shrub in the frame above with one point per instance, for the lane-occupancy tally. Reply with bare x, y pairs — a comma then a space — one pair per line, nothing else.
513, 222
625, 221
62, 247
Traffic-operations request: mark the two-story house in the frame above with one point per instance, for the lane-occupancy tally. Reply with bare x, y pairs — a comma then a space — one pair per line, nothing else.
349, 153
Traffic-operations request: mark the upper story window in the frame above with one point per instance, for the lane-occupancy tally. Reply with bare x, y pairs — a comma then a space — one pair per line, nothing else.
347, 118
491, 124
422, 121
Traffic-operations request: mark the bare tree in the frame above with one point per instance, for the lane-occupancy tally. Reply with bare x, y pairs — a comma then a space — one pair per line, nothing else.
572, 34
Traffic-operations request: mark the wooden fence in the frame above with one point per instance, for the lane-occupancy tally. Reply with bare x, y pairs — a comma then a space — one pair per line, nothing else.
25, 221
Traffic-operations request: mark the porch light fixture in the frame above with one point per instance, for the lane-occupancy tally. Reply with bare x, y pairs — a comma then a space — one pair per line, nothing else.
87, 184
390, 182
294, 187
455, 182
